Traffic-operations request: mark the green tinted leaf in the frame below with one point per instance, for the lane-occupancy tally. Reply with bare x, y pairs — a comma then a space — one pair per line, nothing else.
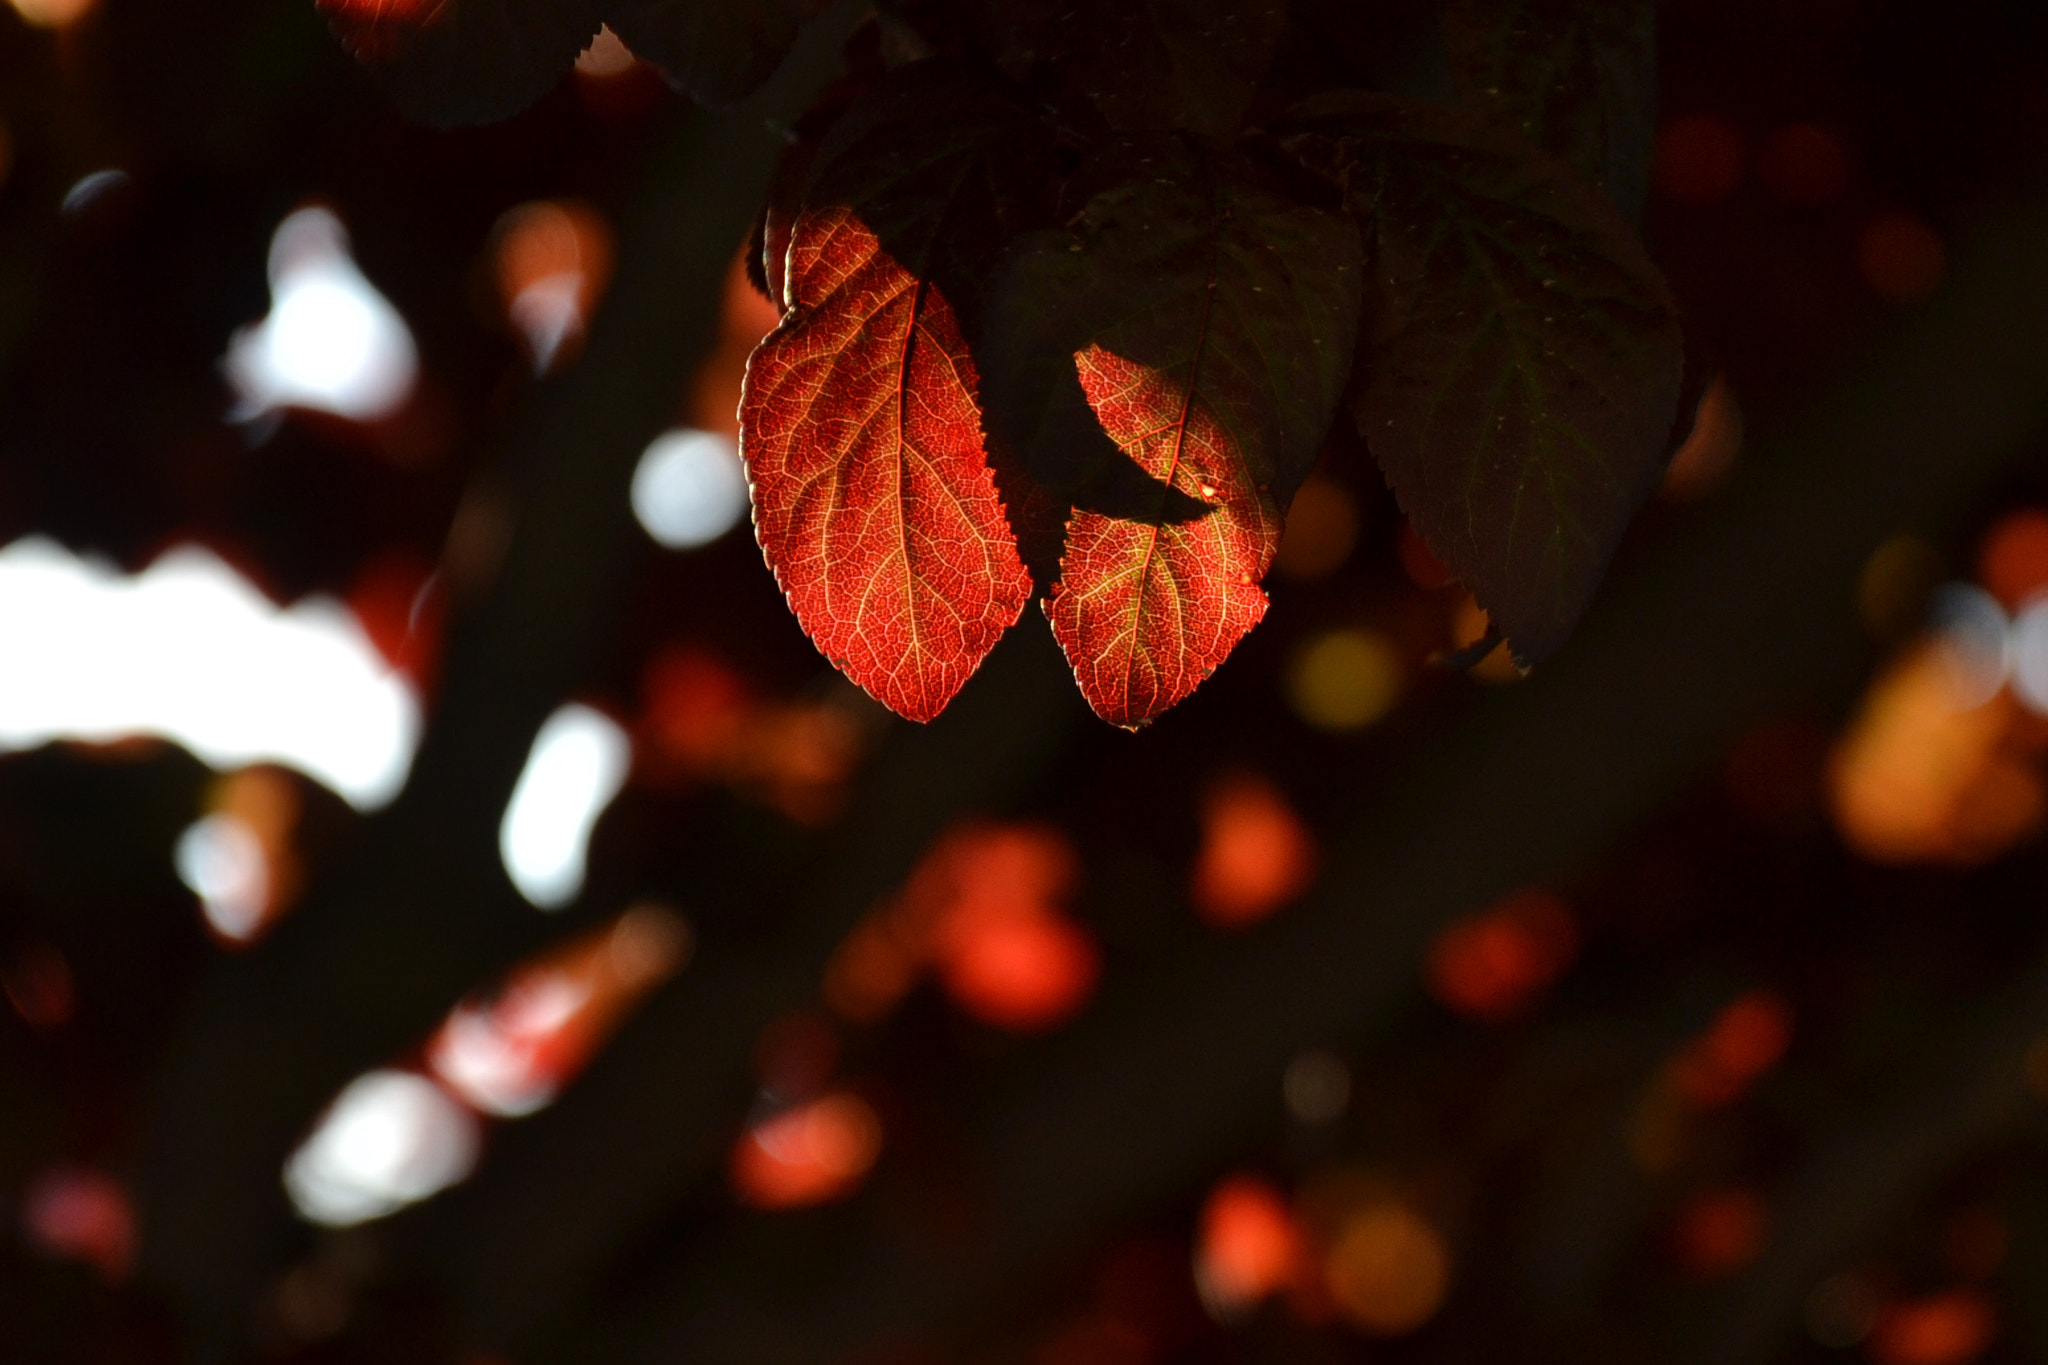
1578, 77
1522, 366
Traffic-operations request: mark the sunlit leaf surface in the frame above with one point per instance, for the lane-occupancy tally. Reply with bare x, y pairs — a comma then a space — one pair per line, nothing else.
873, 496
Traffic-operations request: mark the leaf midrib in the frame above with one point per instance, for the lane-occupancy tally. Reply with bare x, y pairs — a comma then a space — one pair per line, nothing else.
916, 645
1180, 434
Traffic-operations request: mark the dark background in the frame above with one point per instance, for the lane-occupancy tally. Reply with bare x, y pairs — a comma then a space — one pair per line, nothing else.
1038, 1197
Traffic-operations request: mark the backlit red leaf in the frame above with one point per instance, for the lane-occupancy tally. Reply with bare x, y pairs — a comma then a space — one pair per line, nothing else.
1213, 322
1145, 611
861, 421
873, 497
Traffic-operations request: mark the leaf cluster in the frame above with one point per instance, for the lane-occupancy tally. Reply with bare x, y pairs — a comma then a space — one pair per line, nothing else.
1072, 296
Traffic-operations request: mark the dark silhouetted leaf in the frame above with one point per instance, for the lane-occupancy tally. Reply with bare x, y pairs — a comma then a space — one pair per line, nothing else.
464, 61
715, 51
873, 496
944, 169
1578, 77
1219, 319
1522, 360
1146, 65
473, 61
1176, 63
1395, 46
804, 143
768, 247
949, 174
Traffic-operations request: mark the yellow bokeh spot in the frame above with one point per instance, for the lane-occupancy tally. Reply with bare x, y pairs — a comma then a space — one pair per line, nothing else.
1345, 680
1388, 1270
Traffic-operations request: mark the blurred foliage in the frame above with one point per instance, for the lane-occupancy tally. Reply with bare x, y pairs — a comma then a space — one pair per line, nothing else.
1761, 1097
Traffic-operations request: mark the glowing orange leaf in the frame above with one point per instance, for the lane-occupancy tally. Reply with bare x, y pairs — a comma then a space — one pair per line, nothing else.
873, 497
1146, 611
